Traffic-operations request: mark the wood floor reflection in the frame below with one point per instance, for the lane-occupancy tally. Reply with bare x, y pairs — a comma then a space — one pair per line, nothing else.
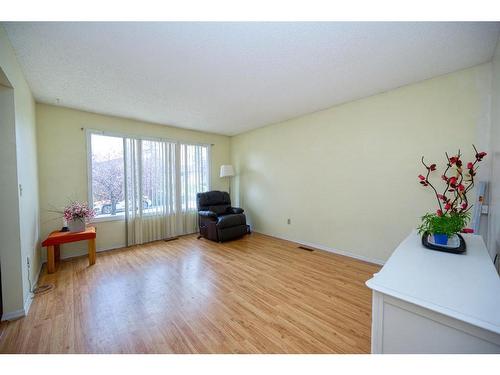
255, 295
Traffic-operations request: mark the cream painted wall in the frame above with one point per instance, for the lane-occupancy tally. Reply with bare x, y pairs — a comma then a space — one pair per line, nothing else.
62, 156
19, 156
10, 247
347, 176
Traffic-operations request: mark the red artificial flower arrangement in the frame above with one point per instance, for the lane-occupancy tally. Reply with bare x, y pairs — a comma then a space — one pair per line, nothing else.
453, 212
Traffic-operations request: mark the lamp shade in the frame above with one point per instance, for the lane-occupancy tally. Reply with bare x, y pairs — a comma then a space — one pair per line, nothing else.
226, 171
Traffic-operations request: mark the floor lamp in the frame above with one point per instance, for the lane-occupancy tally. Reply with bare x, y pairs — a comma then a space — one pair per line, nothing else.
227, 171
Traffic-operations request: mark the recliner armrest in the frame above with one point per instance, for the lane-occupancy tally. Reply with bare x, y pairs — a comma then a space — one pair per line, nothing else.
236, 210
207, 214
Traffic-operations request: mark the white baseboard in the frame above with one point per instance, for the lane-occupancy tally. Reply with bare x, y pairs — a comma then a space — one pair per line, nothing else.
329, 249
37, 277
27, 303
114, 247
29, 299
84, 252
13, 314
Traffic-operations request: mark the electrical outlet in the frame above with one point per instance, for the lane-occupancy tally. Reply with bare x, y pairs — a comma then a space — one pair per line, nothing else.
289, 221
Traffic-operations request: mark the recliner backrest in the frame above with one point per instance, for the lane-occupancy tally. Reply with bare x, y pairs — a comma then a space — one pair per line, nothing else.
219, 201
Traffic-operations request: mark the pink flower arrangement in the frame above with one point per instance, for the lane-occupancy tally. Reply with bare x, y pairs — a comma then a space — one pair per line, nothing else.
458, 179
78, 211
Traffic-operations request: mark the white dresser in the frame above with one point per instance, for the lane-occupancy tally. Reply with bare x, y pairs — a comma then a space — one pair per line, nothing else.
427, 301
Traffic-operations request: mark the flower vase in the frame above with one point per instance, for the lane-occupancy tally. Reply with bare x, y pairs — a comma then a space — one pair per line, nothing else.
441, 239
76, 225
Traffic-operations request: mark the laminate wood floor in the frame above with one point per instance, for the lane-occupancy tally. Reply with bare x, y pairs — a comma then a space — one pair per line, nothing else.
258, 294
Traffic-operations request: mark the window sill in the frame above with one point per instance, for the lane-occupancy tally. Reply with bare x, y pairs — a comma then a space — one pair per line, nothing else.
102, 219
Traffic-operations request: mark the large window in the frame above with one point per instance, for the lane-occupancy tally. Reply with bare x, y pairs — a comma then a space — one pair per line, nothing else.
107, 175
159, 176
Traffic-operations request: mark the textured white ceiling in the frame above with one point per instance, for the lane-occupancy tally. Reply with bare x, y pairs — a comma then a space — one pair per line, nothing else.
231, 77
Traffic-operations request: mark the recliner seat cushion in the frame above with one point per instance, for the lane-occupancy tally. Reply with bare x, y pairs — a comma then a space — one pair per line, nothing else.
233, 220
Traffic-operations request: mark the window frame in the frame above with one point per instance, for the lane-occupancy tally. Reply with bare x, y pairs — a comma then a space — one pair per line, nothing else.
88, 136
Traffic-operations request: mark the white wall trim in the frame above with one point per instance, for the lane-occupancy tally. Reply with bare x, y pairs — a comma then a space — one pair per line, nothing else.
328, 249
29, 299
100, 250
38, 274
13, 314
27, 303
82, 253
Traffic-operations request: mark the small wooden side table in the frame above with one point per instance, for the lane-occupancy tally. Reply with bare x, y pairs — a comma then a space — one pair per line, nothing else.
56, 239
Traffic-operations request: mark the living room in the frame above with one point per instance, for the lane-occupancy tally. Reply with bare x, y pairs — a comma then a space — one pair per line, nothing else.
250, 187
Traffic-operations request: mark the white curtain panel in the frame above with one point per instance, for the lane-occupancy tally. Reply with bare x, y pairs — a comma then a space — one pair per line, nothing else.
194, 178
161, 182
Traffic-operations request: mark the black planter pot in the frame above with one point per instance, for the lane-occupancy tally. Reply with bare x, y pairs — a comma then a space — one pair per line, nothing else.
454, 250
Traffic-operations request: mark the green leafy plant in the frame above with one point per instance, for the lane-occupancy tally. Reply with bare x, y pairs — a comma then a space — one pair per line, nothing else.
448, 224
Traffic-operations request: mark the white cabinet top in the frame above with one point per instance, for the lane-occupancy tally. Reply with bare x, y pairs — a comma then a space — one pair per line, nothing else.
463, 286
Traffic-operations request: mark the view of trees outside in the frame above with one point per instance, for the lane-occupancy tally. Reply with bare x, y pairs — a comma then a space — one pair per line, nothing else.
194, 174
108, 190
157, 173
107, 174
149, 182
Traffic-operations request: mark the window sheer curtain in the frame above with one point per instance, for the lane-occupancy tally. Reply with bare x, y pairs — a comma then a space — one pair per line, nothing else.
194, 178
161, 181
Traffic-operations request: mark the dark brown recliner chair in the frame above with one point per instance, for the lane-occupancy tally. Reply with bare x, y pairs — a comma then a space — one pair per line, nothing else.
218, 221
